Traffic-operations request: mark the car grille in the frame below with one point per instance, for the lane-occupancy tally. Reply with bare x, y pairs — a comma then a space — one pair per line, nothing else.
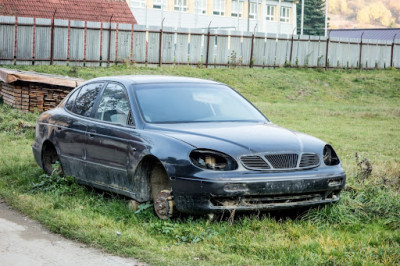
254, 163
282, 161
287, 161
309, 160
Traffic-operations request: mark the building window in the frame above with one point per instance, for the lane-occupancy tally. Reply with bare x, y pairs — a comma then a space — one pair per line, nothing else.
180, 5
219, 7
253, 10
237, 8
137, 3
159, 4
285, 16
201, 6
270, 16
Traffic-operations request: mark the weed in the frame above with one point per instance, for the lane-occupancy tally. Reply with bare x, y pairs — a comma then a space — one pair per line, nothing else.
144, 207
55, 182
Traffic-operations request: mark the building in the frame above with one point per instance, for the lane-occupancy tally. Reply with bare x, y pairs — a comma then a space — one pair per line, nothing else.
88, 10
367, 34
269, 16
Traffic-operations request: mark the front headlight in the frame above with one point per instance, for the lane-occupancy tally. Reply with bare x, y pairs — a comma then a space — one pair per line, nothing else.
212, 160
330, 157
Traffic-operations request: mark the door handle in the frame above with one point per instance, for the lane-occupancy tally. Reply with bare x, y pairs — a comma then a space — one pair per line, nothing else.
91, 133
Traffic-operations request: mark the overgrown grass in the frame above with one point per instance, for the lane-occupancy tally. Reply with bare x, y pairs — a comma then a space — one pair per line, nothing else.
354, 111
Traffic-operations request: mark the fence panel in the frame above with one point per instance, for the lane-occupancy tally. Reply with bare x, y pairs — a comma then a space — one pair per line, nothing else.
221, 56
24, 40
154, 45
259, 49
396, 53
196, 49
384, 55
246, 48
76, 47
282, 50
60, 45
93, 43
300, 51
351, 53
314, 51
168, 46
139, 43
235, 53
7, 40
270, 50
124, 42
182, 46
42, 41
211, 40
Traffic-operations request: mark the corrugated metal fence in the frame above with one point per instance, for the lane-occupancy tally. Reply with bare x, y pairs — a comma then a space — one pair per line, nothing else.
46, 41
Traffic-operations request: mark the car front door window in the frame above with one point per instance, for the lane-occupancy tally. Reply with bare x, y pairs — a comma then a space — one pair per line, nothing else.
86, 98
114, 105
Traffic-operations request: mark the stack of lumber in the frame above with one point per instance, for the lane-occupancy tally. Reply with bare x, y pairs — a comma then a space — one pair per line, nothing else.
29, 91
30, 96
7, 93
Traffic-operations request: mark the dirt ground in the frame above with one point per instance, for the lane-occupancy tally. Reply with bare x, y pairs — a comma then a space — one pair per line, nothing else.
26, 242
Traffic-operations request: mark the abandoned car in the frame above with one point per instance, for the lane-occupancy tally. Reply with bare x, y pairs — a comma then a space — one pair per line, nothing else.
188, 145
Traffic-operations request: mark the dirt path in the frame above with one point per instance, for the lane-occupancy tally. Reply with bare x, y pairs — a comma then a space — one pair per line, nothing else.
25, 242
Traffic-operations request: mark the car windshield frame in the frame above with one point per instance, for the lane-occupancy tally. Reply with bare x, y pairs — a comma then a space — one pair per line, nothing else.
162, 86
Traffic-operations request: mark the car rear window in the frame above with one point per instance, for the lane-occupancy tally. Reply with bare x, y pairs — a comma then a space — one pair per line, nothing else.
86, 98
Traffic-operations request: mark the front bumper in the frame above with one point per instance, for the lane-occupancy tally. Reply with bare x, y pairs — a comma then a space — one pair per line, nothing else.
262, 192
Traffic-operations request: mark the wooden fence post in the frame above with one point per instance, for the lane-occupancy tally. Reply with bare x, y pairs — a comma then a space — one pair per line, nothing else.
360, 58
208, 43
327, 51
160, 44
33, 40
109, 42
52, 38
392, 52
15, 38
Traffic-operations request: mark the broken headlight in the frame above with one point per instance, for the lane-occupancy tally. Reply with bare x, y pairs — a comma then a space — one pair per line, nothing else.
212, 160
330, 157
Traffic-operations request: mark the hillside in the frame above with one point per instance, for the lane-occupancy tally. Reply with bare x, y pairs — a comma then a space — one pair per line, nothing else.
350, 14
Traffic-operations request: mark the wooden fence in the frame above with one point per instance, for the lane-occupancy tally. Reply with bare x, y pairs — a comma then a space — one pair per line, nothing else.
33, 41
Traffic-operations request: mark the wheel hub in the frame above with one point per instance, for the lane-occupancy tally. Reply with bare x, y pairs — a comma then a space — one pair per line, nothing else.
164, 205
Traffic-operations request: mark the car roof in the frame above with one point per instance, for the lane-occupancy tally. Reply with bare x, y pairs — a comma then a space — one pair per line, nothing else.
148, 79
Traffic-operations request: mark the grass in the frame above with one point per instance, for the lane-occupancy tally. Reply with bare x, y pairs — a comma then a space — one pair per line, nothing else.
354, 111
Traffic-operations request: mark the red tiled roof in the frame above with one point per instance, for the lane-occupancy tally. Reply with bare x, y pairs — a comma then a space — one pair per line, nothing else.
90, 10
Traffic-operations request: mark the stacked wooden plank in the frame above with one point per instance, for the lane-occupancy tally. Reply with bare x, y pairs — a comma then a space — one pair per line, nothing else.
7, 93
28, 96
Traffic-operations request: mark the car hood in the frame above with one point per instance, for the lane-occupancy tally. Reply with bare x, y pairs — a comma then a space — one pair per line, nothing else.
251, 137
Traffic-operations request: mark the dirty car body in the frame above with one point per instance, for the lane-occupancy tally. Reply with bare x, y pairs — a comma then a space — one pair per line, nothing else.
200, 141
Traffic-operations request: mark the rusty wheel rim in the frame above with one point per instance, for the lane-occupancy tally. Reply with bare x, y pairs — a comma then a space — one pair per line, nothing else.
164, 205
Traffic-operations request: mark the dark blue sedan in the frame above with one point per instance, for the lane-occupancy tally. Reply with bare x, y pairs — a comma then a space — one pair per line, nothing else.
188, 145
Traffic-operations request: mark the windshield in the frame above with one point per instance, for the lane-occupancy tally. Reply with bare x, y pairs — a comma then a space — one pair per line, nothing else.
193, 102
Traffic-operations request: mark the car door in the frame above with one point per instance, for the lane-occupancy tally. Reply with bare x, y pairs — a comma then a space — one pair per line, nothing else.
71, 129
108, 145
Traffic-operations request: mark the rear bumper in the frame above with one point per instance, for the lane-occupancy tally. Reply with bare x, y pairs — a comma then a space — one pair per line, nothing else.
262, 193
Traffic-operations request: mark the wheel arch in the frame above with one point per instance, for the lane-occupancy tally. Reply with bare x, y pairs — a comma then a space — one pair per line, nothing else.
142, 177
48, 149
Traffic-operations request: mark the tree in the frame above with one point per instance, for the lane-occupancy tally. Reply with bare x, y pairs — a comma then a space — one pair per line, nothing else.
376, 12
314, 17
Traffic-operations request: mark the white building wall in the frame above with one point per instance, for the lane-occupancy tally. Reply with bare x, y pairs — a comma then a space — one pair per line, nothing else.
175, 19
